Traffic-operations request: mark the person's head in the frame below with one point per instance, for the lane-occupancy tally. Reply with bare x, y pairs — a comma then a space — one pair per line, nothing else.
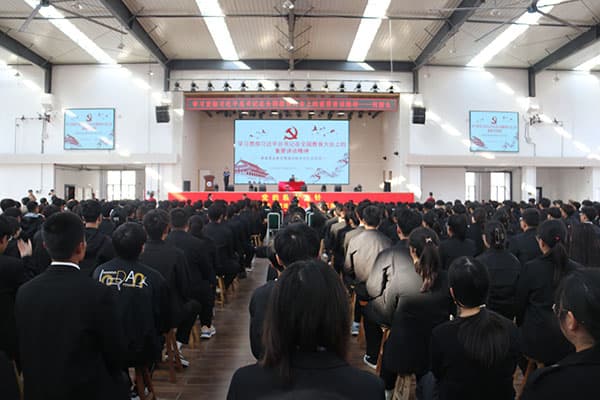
13, 212
551, 237
179, 218
372, 216
408, 220
423, 246
63, 235
296, 242
309, 310
5, 232
479, 216
196, 224
494, 235
33, 207
216, 212
545, 203
554, 213
156, 224
457, 226
577, 306
584, 245
91, 211
128, 240
530, 218
587, 214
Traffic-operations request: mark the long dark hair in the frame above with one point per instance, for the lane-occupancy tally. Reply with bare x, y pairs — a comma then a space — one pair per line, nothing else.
579, 292
458, 225
495, 235
426, 242
554, 234
585, 245
308, 310
485, 338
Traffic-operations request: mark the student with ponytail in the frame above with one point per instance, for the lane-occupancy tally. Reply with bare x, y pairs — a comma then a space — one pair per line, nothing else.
475, 355
407, 349
541, 337
577, 308
457, 245
504, 269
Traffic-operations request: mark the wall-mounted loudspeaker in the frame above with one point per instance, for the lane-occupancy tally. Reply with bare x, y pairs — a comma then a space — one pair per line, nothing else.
418, 115
162, 114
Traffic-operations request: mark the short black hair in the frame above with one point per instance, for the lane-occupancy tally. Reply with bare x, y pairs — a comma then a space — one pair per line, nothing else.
216, 211
545, 202
589, 212
91, 210
531, 217
408, 220
554, 212
62, 233
155, 223
13, 212
296, 242
5, 204
32, 205
458, 225
179, 218
128, 240
5, 228
372, 216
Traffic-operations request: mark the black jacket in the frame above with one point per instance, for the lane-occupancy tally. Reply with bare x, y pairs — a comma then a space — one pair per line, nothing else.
200, 257
407, 349
70, 338
317, 373
258, 309
475, 233
525, 246
12, 276
576, 376
143, 304
393, 276
99, 250
541, 335
30, 224
504, 269
40, 258
460, 377
172, 265
453, 248
227, 256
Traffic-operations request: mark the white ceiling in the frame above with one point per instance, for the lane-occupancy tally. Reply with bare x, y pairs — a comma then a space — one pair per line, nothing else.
180, 32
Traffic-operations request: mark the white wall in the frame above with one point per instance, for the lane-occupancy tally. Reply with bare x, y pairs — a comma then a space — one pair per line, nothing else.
446, 183
565, 183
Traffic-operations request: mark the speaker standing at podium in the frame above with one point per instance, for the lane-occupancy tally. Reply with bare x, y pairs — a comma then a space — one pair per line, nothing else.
226, 175
292, 178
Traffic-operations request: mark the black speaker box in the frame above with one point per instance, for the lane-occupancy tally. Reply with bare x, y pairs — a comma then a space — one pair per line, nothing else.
187, 186
387, 186
230, 188
337, 188
418, 115
303, 188
262, 188
162, 114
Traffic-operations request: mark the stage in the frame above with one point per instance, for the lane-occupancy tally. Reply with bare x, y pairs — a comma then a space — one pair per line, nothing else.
284, 198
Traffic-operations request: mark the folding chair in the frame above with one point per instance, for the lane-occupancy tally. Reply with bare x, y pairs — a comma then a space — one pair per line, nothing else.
273, 224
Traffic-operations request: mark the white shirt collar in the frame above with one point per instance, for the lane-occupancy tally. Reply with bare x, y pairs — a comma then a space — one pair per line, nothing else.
64, 264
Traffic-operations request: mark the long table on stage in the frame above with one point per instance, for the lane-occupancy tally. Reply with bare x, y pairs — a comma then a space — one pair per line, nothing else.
284, 198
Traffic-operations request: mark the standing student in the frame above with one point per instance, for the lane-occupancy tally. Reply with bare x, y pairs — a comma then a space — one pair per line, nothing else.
70, 338
474, 356
306, 342
584, 246
457, 244
577, 307
540, 331
99, 247
524, 245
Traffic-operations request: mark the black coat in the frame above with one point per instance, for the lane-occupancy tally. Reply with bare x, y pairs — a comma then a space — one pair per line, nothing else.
576, 376
525, 246
541, 338
504, 269
453, 248
407, 349
258, 309
475, 233
70, 338
12, 276
200, 257
460, 377
99, 250
172, 265
313, 374
223, 238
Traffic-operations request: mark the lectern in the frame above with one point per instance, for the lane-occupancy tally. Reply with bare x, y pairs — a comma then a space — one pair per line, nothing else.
209, 183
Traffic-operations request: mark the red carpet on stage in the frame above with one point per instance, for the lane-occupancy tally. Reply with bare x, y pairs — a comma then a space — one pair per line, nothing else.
284, 198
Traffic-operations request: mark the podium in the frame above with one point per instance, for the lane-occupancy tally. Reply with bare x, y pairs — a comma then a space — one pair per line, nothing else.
209, 183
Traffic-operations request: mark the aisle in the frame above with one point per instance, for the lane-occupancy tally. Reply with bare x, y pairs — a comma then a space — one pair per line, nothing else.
213, 364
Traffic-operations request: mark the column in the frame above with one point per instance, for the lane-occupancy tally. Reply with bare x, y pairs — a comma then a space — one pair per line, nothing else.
528, 182
595, 195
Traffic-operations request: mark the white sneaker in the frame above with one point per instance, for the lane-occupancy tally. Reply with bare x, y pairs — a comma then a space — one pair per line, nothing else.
207, 332
355, 329
369, 363
184, 363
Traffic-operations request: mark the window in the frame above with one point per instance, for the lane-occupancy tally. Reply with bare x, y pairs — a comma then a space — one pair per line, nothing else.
120, 185
500, 186
470, 186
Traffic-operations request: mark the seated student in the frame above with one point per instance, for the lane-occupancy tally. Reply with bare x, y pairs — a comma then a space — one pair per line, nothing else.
407, 350
143, 296
504, 269
293, 243
541, 336
172, 265
306, 342
70, 337
577, 307
474, 356
457, 244
524, 245
99, 247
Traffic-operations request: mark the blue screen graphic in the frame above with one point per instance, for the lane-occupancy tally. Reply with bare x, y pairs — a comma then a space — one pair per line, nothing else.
89, 129
494, 131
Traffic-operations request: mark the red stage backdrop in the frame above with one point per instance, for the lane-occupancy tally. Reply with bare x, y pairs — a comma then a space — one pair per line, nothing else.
304, 197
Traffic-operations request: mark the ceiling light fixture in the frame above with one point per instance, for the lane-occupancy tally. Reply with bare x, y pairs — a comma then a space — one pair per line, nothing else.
226, 87
366, 66
260, 87
510, 34
288, 5
341, 88
241, 65
243, 87
276, 86
369, 25
308, 87
193, 87
325, 87
292, 86
215, 22
358, 87
210, 87
374, 88
57, 19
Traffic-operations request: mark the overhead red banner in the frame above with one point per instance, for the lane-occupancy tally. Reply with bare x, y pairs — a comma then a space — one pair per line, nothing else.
290, 102
304, 198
